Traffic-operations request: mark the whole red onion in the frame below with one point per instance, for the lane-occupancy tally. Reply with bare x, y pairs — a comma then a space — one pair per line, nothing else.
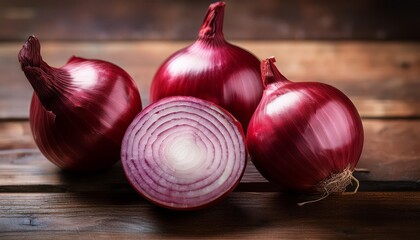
79, 112
212, 69
304, 136
184, 153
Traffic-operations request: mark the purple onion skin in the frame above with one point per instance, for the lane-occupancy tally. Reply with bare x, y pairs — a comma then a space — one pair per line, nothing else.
303, 132
79, 112
212, 69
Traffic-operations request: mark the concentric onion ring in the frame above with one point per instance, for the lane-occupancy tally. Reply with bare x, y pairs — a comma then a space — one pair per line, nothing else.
184, 153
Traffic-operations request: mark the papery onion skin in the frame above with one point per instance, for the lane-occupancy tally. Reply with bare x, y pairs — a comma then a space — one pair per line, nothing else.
79, 112
302, 133
212, 69
163, 160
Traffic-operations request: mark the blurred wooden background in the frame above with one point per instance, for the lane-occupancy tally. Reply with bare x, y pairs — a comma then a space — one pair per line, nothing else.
180, 20
368, 49
365, 48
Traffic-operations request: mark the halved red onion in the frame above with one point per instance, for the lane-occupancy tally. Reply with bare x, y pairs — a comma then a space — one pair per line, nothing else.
184, 153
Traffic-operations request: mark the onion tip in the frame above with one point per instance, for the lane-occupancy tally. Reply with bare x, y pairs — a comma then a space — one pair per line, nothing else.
213, 21
270, 73
30, 54
39, 74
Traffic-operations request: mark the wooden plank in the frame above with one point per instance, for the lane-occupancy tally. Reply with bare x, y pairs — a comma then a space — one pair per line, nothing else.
382, 79
391, 154
15, 134
247, 19
27, 170
391, 150
242, 215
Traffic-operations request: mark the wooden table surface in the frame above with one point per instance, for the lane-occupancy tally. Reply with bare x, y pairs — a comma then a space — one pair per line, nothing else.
376, 64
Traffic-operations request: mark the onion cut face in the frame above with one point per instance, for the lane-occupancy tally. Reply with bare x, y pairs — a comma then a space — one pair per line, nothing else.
184, 153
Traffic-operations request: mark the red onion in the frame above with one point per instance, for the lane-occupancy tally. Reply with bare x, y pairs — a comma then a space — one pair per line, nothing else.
79, 112
184, 153
212, 69
304, 136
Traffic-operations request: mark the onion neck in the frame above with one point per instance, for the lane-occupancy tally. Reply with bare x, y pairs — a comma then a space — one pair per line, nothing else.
46, 81
212, 27
270, 74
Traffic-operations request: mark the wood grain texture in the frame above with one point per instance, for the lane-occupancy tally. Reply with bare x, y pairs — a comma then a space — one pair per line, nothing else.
174, 20
15, 134
382, 79
242, 215
390, 153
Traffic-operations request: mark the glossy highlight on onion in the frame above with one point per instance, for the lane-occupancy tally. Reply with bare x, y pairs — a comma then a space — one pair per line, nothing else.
212, 69
304, 136
184, 153
80, 111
